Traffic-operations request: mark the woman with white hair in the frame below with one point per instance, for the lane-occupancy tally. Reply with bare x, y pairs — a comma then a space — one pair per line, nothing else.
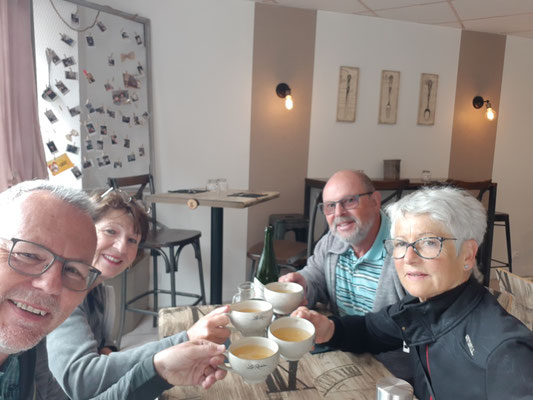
462, 343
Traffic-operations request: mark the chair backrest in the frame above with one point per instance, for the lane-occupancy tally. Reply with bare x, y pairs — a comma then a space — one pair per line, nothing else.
311, 239
397, 187
518, 299
478, 188
138, 183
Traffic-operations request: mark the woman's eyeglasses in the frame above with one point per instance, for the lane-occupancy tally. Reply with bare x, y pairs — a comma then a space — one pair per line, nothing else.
427, 247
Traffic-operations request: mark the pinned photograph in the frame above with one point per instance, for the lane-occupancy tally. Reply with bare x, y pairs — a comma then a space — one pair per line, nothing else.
127, 143
117, 164
89, 107
141, 151
52, 146
89, 76
103, 129
126, 119
114, 139
111, 113
146, 115
72, 149
76, 172
136, 120
138, 39
101, 25
111, 60
52, 56
90, 127
59, 164
100, 109
131, 157
99, 144
74, 111
124, 34
130, 81
51, 116
100, 162
67, 39
87, 163
49, 94
106, 159
126, 56
140, 69
74, 18
89, 145
90, 40
134, 97
72, 133
71, 75
68, 61
120, 97
62, 87
108, 86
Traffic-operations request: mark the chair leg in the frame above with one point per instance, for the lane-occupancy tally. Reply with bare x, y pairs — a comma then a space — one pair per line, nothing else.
173, 269
122, 307
508, 238
156, 304
198, 255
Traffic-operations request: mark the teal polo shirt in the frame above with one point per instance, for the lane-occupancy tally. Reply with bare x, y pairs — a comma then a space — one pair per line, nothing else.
356, 279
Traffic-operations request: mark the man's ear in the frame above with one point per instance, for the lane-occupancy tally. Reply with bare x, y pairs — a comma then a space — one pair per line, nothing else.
376, 198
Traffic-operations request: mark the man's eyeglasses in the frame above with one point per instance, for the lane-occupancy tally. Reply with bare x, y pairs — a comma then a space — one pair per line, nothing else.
348, 203
32, 259
427, 247
127, 198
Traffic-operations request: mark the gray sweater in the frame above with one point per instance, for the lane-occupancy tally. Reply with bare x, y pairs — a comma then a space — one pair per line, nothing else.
320, 273
84, 374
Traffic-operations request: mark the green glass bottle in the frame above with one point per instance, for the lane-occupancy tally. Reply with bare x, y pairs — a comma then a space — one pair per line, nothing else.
267, 269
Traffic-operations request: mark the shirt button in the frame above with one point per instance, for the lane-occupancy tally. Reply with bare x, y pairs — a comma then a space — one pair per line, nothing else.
404, 328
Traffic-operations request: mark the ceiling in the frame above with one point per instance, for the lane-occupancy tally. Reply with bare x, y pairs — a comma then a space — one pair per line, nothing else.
508, 17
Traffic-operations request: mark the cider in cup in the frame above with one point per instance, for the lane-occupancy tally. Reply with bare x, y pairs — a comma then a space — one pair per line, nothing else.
294, 336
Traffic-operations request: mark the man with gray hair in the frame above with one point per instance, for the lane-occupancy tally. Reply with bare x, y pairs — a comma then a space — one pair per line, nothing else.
47, 244
349, 269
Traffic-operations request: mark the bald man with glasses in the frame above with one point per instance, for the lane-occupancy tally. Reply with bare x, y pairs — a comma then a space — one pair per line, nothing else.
349, 269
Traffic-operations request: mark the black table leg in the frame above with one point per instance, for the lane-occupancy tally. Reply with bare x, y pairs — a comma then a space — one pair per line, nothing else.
217, 221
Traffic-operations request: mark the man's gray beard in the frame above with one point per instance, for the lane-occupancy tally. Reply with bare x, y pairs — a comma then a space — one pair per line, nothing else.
360, 233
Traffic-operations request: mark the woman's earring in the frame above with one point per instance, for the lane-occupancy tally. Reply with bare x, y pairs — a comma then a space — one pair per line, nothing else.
466, 267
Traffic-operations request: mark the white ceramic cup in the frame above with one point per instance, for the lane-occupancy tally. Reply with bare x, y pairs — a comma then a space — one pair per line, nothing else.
257, 370
292, 349
251, 323
285, 297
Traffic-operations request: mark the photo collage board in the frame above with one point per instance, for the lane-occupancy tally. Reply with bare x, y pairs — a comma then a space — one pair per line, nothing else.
92, 85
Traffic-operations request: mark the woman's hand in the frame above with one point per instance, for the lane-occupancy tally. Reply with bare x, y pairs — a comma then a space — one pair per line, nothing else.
191, 363
324, 327
212, 327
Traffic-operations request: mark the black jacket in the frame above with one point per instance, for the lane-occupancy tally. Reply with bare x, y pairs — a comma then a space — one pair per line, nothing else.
462, 343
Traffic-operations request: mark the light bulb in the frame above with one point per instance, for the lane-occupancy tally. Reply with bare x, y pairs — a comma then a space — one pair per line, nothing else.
288, 102
490, 113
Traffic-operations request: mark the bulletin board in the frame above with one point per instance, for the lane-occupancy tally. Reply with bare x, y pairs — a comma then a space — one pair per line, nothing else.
94, 91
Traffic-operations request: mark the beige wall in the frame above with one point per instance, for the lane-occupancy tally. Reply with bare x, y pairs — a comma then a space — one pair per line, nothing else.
480, 73
284, 43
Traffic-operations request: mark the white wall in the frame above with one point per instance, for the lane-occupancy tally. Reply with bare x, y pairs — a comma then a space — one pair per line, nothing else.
514, 142
374, 45
201, 73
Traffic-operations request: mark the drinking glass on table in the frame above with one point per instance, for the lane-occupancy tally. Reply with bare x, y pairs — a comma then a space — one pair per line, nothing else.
212, 185
222, 184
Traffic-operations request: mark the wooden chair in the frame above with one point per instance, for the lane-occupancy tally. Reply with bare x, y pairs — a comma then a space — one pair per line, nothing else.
516, 295
162, 242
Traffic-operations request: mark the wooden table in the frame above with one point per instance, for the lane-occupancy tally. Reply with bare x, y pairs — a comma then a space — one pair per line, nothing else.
399, 186
331, 375
217, 201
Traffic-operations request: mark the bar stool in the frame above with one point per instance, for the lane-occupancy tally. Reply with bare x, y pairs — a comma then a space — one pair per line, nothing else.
159, 239
502, 219
283, 223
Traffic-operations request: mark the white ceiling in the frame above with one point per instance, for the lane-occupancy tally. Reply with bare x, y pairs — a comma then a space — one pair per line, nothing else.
509, 17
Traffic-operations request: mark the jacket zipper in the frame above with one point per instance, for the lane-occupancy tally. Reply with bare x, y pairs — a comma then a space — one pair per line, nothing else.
427, 365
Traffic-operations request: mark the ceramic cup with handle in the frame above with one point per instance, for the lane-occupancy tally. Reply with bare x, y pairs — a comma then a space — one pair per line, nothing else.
285, 297
253, 358
294, 336
251, 317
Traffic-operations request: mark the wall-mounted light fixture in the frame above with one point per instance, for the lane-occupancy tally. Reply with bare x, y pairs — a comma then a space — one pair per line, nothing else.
284, 91
478, 103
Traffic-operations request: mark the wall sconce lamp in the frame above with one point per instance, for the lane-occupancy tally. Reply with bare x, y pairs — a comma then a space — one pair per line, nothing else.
478, 103
284, 91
